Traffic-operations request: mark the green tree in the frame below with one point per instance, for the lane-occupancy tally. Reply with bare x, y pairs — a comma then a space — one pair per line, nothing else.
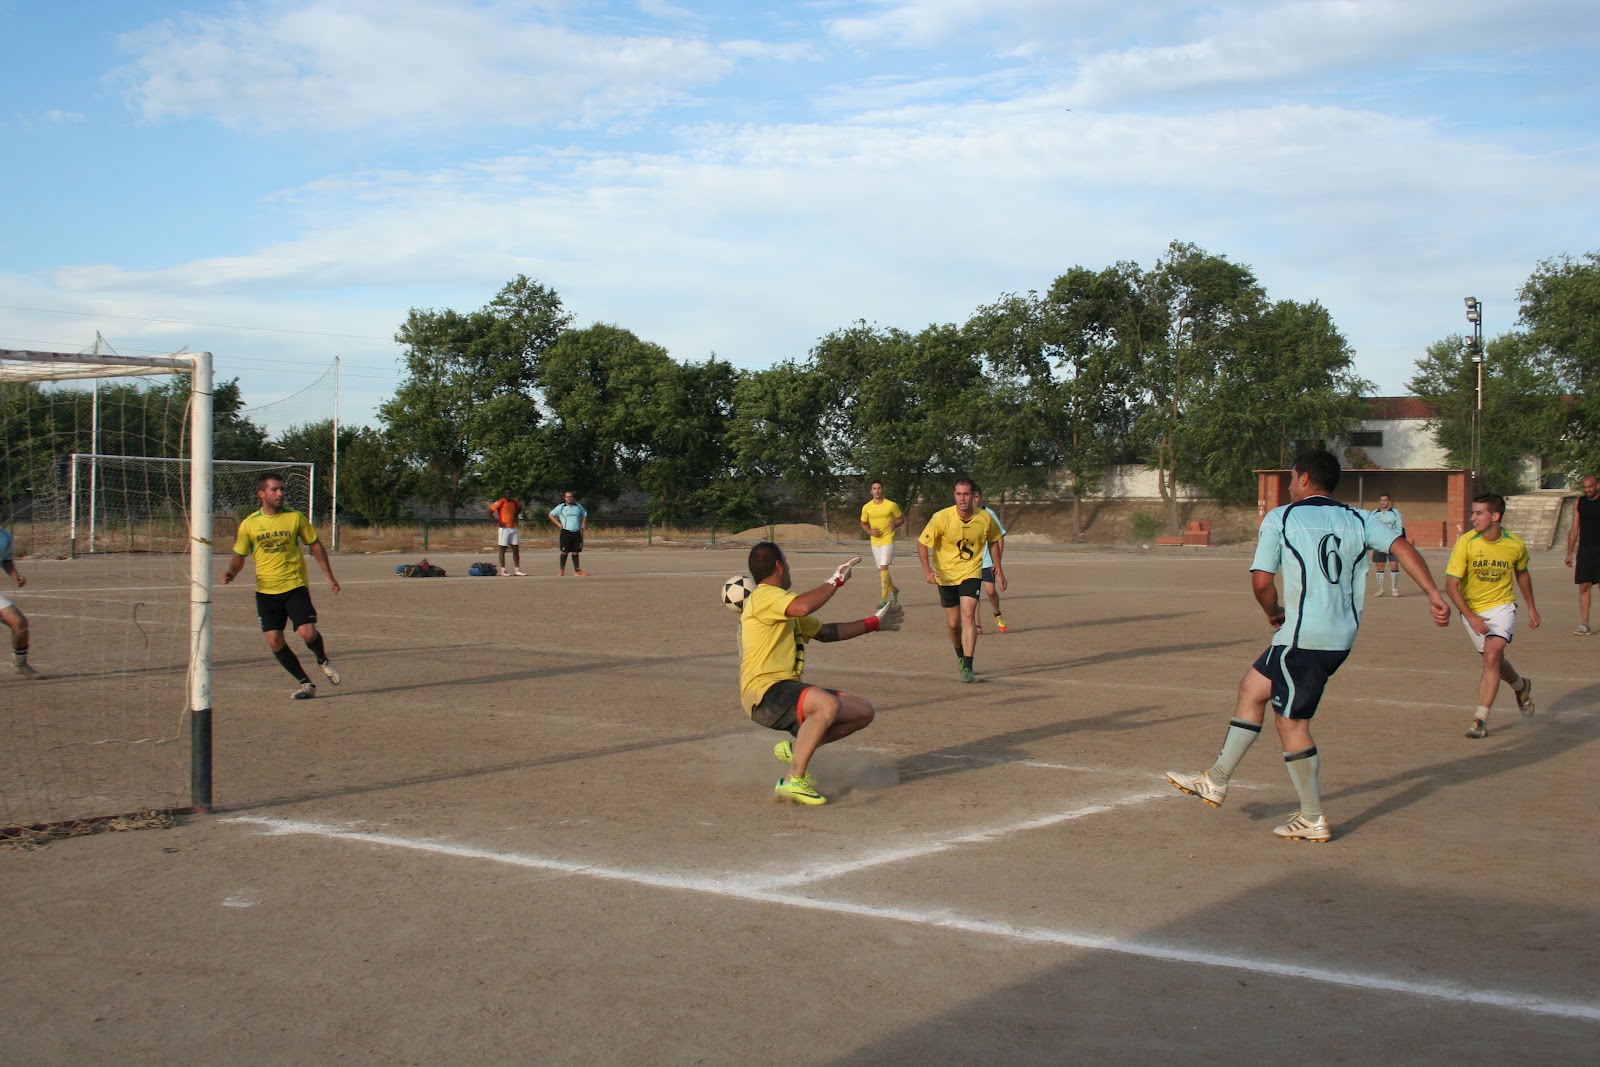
313, 443
781, 431
1560, 308
1287, 383
902, 406
375, 481
1522, 409
468, 398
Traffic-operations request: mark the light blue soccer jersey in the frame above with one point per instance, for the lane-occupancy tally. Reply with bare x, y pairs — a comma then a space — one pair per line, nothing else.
988, 560
1320, 548
570, 516
1391, 520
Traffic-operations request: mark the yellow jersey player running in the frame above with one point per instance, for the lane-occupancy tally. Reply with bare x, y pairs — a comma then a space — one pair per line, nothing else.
1484, 563
881, 519
272, 536
951, 551
774, 628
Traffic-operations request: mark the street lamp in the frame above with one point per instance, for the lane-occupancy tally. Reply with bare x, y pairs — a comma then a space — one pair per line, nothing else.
1475, 345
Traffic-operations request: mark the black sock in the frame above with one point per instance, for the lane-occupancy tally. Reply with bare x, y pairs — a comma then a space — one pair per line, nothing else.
315, 645
966, 661
563, 561
575, 564
291, 663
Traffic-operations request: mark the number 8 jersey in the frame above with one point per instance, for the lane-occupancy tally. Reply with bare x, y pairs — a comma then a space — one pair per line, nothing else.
1320, 547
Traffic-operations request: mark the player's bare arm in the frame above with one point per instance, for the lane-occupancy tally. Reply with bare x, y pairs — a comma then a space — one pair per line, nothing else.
1416, 569
16, 575
1525, 583
320, 554
808, 602
1452, 588
927, 566
997, 549
1265, 587
235, 565
1572, 537
888, 617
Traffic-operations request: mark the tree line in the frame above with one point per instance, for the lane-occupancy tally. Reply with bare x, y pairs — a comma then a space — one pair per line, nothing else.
1187, 367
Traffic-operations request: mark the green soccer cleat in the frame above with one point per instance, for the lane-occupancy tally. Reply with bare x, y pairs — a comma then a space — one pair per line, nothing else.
798, 789
968, 674
784, 751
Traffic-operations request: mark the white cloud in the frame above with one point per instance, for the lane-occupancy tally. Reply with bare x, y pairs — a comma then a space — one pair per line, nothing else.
350, 64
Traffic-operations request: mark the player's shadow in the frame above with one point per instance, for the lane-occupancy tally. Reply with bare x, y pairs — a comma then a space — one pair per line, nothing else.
1533, 742
1113, 656
1009, 747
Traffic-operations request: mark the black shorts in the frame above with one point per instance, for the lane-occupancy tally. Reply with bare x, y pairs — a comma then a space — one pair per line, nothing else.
1382, 557
779, 706
988, 576
571, 541
950, 595
274, 609
1298, 676
1586, 565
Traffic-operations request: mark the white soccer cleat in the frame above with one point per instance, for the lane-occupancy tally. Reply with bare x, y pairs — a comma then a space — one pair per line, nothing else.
1300, 828
25, 670
519, 572
305, 692
330, 670
1199, 785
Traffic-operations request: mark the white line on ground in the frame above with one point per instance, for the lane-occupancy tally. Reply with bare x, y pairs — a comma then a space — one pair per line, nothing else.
1450, 992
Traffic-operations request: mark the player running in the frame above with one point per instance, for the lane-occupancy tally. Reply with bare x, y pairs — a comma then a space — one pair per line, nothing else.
1320, 546
881, 519
272, 536
987, 574
12, 615
1479, 580
774, 627
950, 549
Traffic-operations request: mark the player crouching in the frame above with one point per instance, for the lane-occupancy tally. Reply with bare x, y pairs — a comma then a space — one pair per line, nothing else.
774, 627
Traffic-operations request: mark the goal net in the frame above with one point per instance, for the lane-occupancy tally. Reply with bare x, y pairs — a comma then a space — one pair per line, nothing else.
106, 487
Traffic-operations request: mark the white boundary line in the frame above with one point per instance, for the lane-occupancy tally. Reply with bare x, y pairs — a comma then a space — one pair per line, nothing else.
763, 893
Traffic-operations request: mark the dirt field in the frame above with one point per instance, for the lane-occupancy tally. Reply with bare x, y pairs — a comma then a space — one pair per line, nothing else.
533, 826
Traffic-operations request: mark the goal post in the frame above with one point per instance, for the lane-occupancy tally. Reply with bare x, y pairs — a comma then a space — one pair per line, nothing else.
68, 773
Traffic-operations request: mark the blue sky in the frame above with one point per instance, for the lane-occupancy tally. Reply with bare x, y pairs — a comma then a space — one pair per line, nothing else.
281, 181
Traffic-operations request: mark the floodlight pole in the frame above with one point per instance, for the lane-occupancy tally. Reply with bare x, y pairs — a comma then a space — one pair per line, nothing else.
1475, 317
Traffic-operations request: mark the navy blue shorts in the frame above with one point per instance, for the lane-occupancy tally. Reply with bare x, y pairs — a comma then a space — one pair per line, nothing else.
1298, 677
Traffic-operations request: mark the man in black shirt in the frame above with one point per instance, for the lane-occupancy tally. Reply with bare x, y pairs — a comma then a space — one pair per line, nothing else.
1585, 538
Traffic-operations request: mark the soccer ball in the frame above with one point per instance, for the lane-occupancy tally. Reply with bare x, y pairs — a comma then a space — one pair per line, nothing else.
736, 590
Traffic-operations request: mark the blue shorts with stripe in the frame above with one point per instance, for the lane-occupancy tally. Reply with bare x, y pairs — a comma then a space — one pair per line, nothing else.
1298, 677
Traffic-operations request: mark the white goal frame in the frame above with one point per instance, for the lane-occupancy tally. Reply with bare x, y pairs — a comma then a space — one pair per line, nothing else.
20, 365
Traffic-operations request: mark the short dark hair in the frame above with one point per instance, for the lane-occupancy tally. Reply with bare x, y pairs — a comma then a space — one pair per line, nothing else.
968, 482
1496, 502
270, 476
1321, 466
875, 481
1385, 496
764, 560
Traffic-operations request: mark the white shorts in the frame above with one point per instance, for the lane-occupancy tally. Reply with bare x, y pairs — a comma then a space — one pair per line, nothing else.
1502, 619
508, 537
5, 603
883, 555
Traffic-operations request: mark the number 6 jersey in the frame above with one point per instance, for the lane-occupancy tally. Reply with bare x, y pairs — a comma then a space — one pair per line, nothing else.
1320, 547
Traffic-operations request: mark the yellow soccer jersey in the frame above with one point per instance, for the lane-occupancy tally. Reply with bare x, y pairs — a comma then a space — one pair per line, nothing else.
772, 645
1487, 569
955, 545
881, 516
274, 541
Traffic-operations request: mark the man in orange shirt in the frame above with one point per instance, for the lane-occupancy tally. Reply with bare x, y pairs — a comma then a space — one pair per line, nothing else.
505, 512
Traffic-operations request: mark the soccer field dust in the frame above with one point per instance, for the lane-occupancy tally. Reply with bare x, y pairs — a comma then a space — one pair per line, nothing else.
533, 826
